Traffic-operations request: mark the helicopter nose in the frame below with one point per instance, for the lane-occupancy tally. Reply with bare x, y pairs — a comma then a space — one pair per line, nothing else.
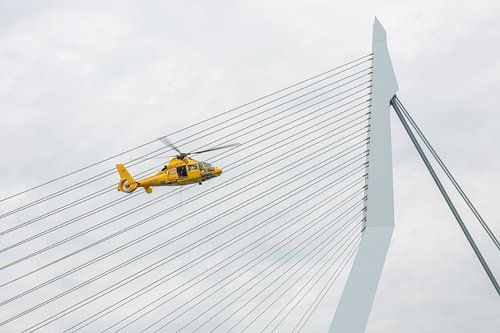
218, 171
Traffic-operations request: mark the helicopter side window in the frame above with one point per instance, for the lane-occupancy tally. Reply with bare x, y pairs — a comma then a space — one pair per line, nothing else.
181, 171
192, 167
202, 168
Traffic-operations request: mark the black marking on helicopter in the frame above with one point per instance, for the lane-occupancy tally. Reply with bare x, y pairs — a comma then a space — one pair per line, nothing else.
167, 183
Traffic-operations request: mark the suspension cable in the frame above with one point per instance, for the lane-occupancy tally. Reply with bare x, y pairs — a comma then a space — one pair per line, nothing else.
344, 154
196, 244
290, 276
448, 173
320, 297
320, 246
309, 240
186, 128
238, 254
270, 135
111, 171
115, 218
327, 265
52, 280
472, 243
163, 261
55, 228
263, 194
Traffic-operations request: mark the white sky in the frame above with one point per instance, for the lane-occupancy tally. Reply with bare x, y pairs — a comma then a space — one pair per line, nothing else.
83, 80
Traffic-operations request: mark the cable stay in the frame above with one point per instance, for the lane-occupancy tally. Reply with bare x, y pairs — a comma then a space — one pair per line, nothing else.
333, 258
341, 139
267, 123
398, 108
448, 173
286, 230
163, 244
237, 255
300, 246
156, 247
160, 151
310, 310
266, 150
335, 132
363, 59
304, 262
305, 120
258, 250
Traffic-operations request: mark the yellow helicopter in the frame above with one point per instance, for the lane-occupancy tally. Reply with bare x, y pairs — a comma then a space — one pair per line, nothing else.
181, 170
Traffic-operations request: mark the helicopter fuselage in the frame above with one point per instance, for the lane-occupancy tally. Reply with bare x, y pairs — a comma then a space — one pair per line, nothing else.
177, 172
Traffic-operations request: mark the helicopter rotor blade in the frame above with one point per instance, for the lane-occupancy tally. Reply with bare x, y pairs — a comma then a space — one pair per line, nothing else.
160, 157
168, 143
215, 148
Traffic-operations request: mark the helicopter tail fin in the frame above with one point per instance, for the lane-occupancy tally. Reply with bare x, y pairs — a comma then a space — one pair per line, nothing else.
127, 183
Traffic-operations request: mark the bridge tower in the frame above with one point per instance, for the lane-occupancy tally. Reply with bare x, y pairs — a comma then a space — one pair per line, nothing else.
357, 298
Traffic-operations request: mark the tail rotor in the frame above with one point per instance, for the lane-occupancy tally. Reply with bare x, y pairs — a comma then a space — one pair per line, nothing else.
127, 183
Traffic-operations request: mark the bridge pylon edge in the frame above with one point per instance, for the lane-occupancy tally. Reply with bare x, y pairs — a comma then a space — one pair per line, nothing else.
355, 304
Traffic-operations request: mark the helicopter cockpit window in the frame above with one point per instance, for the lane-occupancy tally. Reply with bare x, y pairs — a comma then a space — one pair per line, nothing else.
192, 167
209, 167
202, 168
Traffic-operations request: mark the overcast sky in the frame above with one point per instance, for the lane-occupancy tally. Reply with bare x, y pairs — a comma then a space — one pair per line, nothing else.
83, 80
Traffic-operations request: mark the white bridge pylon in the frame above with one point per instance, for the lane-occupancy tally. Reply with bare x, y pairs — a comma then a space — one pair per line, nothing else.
357, 298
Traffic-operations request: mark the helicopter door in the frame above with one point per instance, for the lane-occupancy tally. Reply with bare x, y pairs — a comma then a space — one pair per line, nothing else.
192, 167
182, 171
